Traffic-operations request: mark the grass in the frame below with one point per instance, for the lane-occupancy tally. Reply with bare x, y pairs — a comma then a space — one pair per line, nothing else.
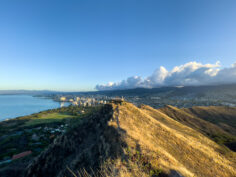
155, 143
11, 143
49, 118
110, 168
175, 145
223, 116
195, 121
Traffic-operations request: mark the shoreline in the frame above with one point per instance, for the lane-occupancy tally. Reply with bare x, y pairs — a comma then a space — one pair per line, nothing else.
30, 109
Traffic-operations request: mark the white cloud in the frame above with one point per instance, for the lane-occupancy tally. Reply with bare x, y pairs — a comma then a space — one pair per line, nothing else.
192, 73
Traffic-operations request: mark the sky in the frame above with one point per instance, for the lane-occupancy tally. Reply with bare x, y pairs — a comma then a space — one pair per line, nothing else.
84, 45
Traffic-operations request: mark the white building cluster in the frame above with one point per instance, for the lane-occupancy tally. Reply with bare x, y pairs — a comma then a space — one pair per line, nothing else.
84, 101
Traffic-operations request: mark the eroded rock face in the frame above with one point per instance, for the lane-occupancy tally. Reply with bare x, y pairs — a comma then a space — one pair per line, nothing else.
83, 147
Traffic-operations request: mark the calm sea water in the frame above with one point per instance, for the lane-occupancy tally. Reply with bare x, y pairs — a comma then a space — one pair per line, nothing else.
12, 106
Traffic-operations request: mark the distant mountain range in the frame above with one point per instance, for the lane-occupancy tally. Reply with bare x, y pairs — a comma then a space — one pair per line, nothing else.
175, 91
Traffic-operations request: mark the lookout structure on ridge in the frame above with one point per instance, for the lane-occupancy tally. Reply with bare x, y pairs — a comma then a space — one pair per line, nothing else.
117, 100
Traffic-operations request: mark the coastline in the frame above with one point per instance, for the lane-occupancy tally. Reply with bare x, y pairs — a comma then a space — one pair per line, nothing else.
17, 105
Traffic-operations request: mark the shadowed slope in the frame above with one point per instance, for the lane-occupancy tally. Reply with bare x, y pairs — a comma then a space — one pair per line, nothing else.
83, 147
213, 131
224, 117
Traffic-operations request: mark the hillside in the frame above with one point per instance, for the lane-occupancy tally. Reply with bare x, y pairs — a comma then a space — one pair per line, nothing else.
199, 118
35, 133
124, 140
224, 117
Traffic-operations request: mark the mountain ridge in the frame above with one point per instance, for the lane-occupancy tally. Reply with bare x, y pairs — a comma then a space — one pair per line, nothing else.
129, 134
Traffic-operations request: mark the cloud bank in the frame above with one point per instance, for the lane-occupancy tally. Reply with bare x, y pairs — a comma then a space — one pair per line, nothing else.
189, 74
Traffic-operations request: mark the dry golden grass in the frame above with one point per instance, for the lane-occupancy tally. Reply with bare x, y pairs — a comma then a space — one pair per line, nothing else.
175, 146
158, 144
224, 117
114, 168
213, 131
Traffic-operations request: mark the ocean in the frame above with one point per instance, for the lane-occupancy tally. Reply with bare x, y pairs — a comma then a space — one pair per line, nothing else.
12, 106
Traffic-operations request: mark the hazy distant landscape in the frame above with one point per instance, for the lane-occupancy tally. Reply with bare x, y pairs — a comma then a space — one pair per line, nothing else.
219, 95
213, 95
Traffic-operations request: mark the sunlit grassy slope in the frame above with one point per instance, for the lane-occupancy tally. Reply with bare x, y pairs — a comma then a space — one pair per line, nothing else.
171, 144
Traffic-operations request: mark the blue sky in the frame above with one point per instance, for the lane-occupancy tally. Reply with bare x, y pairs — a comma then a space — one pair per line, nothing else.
77, 44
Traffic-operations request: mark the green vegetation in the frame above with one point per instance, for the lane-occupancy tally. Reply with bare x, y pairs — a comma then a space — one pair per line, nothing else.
48, 118
35, 132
